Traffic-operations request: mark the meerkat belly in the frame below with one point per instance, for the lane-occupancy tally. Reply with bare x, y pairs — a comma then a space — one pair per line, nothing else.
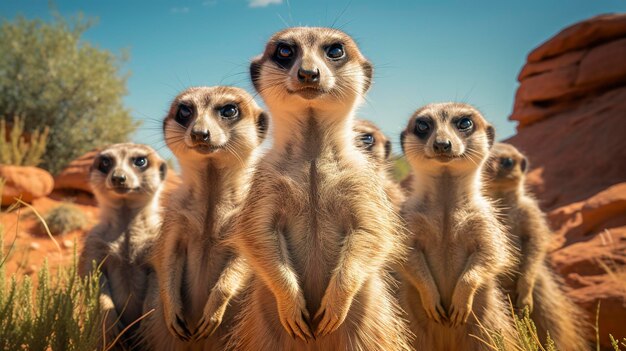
447, 260
204, 262
314, 230
128, 288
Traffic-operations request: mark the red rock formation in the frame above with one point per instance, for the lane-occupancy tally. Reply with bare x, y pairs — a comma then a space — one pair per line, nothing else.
76, 175
26, 183
571, 109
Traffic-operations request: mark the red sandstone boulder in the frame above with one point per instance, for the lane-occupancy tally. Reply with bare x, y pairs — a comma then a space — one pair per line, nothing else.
26, 183
76, 175
581, 35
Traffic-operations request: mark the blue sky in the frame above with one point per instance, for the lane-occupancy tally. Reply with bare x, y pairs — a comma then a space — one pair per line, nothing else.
422, 51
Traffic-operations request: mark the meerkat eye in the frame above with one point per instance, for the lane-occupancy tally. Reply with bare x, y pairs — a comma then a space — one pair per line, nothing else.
421, 127
140, 162
104, 165
335, 51
367, 140
284, 52
229, 111
464, 124
507, 162
183, 114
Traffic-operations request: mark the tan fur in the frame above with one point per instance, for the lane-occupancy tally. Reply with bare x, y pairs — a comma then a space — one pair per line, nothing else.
129, 223
532, 282
318, 228
377, 147
198, 276
458, 245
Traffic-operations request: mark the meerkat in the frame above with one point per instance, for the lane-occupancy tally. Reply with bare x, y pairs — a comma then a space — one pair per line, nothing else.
377, 146
214, 133
458, 247
126, 180
318, 228
532, 283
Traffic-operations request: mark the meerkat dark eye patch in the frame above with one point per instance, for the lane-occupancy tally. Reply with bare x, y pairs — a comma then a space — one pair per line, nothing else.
183, 114
229, 112
367, 140
104, 164
464, 124
140, 162
335, 51
507, 162
284, 55
422, 127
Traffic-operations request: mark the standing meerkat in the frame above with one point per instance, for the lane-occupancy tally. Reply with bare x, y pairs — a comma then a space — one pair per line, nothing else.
318, 228
213, 132
126, 180
458, 245
532, 283
377, 146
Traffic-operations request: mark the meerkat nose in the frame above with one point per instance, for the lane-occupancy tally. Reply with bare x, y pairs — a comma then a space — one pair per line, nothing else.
200, 136
442, 147
118, 179
308, 75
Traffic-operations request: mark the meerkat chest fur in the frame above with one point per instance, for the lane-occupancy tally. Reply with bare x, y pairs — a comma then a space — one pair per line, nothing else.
446, 217
320, 171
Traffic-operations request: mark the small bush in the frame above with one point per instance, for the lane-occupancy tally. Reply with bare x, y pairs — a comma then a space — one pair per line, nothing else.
65, 218
16, 150
61, 313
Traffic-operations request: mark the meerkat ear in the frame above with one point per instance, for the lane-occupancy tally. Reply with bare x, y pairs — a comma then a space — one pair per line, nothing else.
491, 135
163, 170
368, 71
402, 137
255, 71
261, 125
387, 149
524, 165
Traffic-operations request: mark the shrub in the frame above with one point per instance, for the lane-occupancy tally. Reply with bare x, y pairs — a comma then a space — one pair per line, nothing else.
16, 150
52, 77
61, 313
65, 218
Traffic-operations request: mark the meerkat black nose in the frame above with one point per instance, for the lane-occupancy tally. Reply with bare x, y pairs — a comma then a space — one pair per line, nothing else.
200, 136
442, 147
118, 179
308, 75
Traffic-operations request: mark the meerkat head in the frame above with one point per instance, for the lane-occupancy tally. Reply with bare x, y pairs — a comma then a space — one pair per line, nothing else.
506, 167
213, 122
371, 139
127, 172
310, 67
450, 135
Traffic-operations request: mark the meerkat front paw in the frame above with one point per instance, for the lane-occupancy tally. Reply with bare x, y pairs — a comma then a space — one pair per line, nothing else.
431, 302
175, 321
460, 308
332, 312
524, 297
294, 317
212, 316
